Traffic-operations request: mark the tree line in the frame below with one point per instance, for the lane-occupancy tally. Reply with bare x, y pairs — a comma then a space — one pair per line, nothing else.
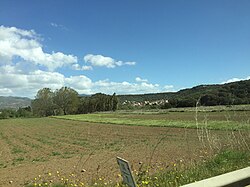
63, 101
21, 112
67, 101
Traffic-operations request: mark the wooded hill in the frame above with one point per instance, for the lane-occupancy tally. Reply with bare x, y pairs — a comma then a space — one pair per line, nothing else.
209, 95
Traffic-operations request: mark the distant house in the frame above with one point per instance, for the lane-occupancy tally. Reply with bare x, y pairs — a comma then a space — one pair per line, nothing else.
144, 103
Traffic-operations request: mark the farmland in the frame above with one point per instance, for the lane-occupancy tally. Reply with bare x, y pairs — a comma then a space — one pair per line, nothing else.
187, 118
87, 145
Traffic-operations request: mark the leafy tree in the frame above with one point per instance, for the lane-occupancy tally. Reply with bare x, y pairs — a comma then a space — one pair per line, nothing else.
43, 104
114, 102
186, 102
166, 106
66, 99
209, 100
98, 102
7, 113
24, 112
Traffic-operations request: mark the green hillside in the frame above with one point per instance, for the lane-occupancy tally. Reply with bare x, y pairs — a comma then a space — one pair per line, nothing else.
208, 95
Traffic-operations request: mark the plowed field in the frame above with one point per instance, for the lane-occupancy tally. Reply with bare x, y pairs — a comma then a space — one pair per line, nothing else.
32, 147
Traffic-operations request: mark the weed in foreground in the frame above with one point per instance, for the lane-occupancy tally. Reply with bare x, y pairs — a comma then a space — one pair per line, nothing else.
223, 162
56, 180
175, 174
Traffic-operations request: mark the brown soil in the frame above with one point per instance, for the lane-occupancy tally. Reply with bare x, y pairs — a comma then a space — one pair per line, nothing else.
32, 147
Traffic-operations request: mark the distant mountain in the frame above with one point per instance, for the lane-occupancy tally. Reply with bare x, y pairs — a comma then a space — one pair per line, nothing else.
14, 102
217, 94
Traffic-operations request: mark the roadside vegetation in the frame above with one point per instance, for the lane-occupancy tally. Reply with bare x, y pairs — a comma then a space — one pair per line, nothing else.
176, 174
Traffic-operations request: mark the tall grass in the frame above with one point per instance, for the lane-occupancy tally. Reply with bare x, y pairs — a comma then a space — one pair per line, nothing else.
175, 175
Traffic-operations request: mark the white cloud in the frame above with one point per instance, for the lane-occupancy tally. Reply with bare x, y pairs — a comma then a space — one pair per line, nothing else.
168, 88
27, 84
99, 60
25, 44
58, 26
14, 83
84, 68
235, 80
124, 87
87, 68
39, 79
138, 79
5, 91
81, 84
18, 83
130, 63
22, 57
53, 24
76, 67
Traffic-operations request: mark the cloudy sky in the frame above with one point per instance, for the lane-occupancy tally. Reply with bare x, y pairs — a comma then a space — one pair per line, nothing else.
126, 47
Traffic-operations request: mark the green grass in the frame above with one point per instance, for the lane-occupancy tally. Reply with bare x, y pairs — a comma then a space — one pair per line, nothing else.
55, 153
129, 119
16, 150
224, 162
178, 174
2, 165
17, 160
39, 159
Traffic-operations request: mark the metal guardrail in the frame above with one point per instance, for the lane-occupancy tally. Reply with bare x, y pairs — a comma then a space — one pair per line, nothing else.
236, 178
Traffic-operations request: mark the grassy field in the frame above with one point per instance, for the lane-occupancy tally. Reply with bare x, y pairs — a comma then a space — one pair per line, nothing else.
192, 109
224, 120
85, 152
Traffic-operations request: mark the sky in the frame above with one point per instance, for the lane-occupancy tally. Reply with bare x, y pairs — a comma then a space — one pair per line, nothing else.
122, 47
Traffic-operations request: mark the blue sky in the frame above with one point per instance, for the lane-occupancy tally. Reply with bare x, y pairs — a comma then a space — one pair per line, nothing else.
125, 47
